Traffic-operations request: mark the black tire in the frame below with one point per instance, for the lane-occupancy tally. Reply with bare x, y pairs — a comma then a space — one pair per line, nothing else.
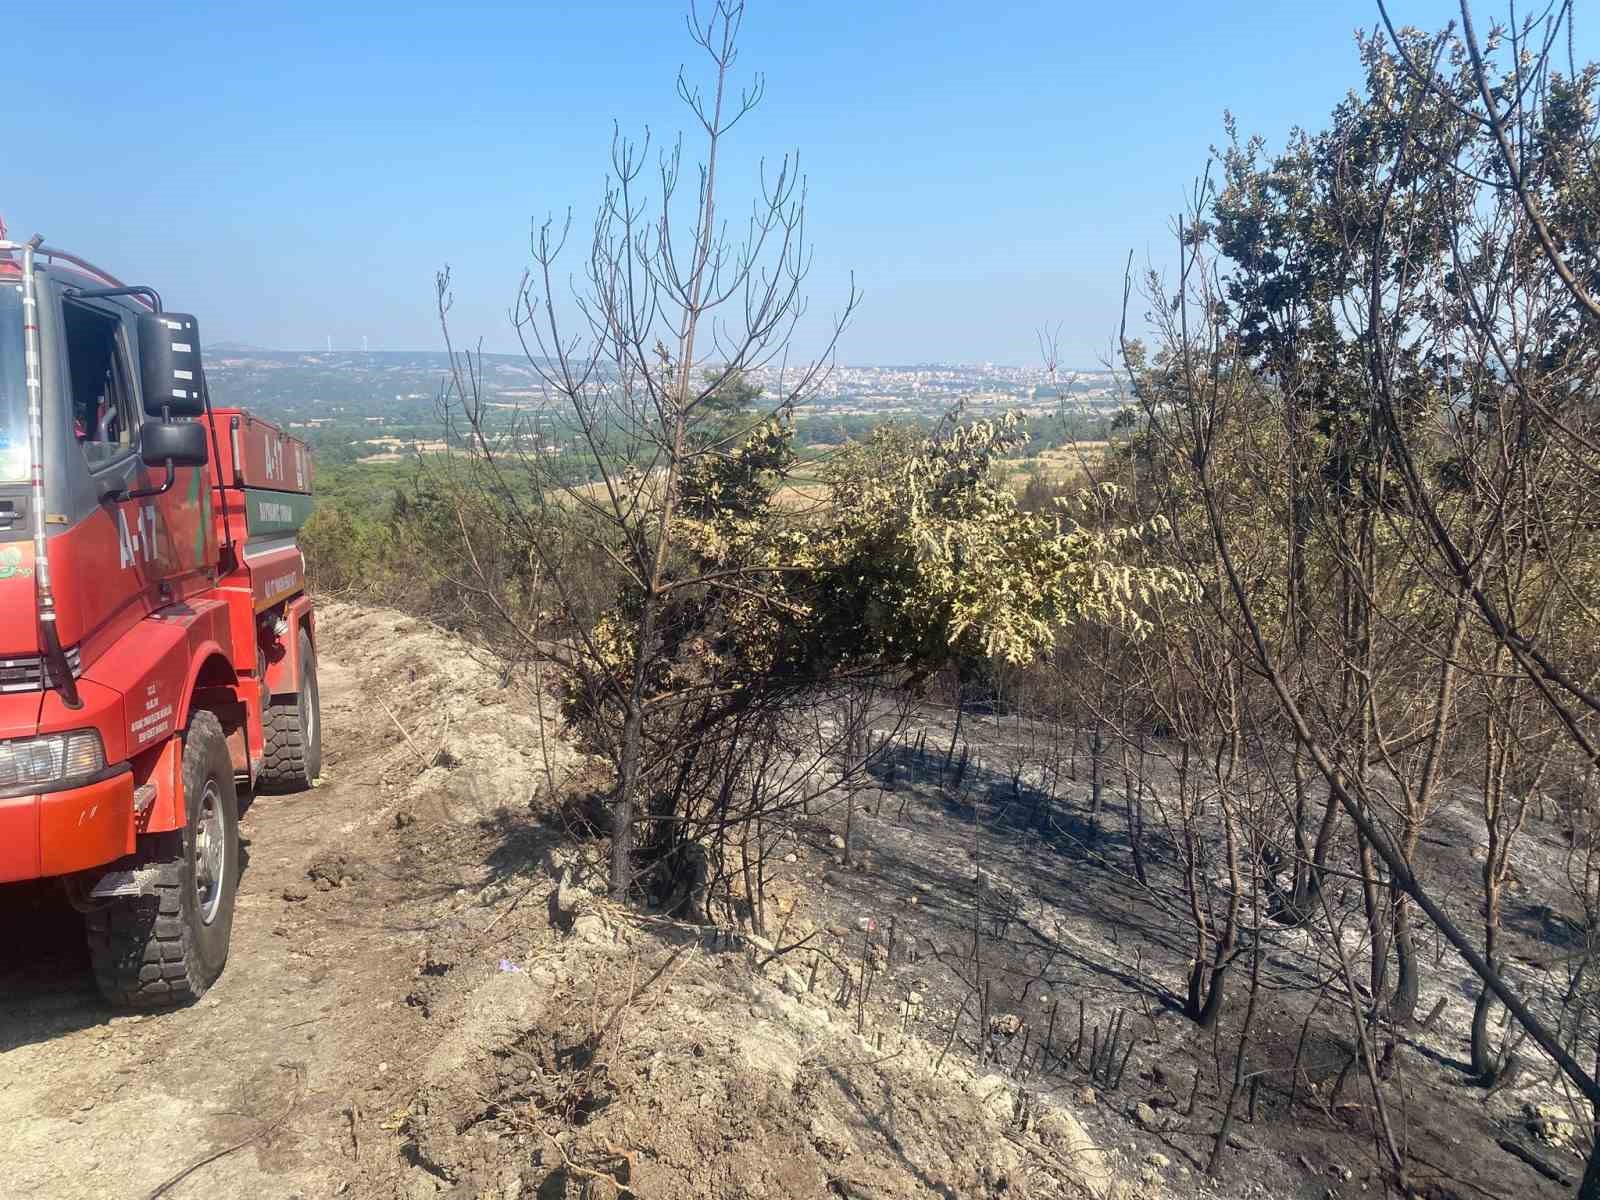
293, 756
166, 949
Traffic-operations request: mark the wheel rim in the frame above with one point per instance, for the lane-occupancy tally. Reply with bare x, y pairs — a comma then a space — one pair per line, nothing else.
210, 854
308, 711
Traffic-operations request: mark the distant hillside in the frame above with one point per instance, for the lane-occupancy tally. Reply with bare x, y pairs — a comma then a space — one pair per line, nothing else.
375, 407
217, 348
348, 385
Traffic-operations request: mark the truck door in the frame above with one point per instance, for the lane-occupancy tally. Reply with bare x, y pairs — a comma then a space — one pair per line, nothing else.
113, 560
102, 417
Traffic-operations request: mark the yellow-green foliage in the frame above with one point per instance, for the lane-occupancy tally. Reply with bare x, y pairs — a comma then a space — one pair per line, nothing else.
919, 555
959, 567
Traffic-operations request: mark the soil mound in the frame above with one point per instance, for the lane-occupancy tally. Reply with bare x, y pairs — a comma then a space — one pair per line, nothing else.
647, 1065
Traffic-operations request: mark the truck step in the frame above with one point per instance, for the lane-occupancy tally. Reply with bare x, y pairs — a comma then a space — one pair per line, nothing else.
139, 881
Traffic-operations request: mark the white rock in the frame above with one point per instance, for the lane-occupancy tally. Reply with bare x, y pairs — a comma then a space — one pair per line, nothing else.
1005, 1025
1553, 1124
555, 861
591, 927
1072, 1146
568, 894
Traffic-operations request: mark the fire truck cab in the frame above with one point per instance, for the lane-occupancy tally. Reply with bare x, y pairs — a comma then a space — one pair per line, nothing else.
157, 645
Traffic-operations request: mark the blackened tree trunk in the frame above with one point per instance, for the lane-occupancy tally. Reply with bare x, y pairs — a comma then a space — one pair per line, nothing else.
1403, 1002
1304, 879
1484, 1066
955, 734
1096, 781
1133, 803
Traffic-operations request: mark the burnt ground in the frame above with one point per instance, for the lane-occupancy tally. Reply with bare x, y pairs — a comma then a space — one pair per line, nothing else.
1064, 923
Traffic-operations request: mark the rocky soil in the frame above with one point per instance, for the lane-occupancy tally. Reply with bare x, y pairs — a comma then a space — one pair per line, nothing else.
424, 1000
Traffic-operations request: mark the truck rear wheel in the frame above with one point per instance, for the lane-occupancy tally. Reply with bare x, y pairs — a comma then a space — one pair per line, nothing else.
293, 757
168, 946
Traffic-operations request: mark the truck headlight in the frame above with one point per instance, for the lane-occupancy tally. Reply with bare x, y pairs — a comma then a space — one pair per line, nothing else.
51, 760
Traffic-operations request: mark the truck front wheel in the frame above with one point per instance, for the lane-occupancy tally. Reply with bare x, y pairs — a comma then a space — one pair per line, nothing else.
168, 945
293, 757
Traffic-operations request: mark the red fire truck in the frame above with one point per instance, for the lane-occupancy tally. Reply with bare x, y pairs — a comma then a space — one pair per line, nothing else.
157, 645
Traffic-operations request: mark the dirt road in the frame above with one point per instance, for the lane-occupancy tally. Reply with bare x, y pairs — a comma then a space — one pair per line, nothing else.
97, 1104
298, 1046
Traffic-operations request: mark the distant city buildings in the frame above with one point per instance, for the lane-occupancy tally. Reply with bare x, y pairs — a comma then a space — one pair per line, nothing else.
346, 397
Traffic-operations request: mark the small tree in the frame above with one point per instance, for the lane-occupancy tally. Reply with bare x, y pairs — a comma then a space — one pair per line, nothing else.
622, 363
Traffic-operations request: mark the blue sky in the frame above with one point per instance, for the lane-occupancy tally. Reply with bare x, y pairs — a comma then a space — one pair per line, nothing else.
294, 171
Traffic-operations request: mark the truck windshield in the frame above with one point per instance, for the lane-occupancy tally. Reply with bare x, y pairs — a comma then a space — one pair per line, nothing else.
13, 387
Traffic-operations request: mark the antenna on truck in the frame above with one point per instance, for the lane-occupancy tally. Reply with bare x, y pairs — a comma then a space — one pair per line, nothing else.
60, 670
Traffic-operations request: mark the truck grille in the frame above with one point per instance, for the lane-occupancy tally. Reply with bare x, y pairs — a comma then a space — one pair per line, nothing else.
28, 674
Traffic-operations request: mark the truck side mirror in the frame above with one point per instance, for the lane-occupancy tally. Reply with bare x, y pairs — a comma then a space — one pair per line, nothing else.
172, 443
170, 374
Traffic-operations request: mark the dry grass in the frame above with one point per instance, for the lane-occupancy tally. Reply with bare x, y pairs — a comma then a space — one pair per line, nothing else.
1066, 464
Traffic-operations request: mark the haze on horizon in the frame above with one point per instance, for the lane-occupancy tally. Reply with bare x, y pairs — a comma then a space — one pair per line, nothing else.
300, 173
241, 348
